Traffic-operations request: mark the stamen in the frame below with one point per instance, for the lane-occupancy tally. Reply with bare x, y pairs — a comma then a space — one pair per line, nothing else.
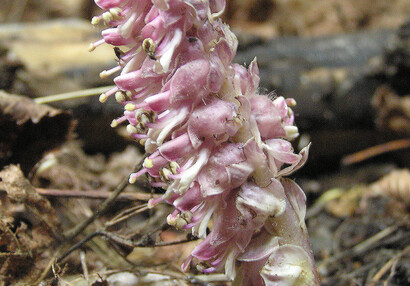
171, 219
119, 96
114, 123
96, 19
131, 129
132, 107
291, 132
92, 46
153, 202
107, 17
164, 174
180, 223
135, 176
148, 163
104, 96
115, 12
106, 73
290, 102
129, 107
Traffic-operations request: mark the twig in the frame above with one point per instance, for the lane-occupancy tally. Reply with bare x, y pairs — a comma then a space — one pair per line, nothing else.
77, 245
394, 266
102, 208
84, 266
389, 265
72, 95
375, 151
126, 214
49, 265
121, 240
122, 254
7, 227
10, 254
94, 194
361, 247
361, 269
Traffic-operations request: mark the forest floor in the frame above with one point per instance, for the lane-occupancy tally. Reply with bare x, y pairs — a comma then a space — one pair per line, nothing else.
62, 166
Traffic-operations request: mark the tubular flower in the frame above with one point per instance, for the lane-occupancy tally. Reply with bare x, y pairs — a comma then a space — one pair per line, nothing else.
217, 147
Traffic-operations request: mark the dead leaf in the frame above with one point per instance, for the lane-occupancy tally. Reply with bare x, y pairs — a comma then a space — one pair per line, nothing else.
28, 227
67, 168
396, 185
393, 111
27, 130
20, 191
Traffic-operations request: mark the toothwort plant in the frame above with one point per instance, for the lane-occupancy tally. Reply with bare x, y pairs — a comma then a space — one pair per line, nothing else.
218, 148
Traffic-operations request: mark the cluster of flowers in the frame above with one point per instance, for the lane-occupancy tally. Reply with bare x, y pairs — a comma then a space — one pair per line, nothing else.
218, 148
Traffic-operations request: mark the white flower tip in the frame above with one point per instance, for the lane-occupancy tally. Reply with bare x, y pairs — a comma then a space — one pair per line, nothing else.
132, 179
103, 97
131, 129
115, 12
129, 107
291, 102
119, 96
180, 223
148, 163
91, 47
95, 20
152, 203
104, 74
291, 132
114, 123
171, 220
107, 17
128, 94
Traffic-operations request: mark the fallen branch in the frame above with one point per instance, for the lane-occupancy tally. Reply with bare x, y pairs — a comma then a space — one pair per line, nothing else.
375, 151
121, 240
72, 233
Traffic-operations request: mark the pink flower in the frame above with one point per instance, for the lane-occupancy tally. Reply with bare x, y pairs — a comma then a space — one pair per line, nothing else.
217, 148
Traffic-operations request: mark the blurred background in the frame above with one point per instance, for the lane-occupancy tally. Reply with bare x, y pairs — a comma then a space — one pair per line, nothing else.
345, 62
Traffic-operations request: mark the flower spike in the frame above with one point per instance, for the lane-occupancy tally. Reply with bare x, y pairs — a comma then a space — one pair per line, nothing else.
218, 148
